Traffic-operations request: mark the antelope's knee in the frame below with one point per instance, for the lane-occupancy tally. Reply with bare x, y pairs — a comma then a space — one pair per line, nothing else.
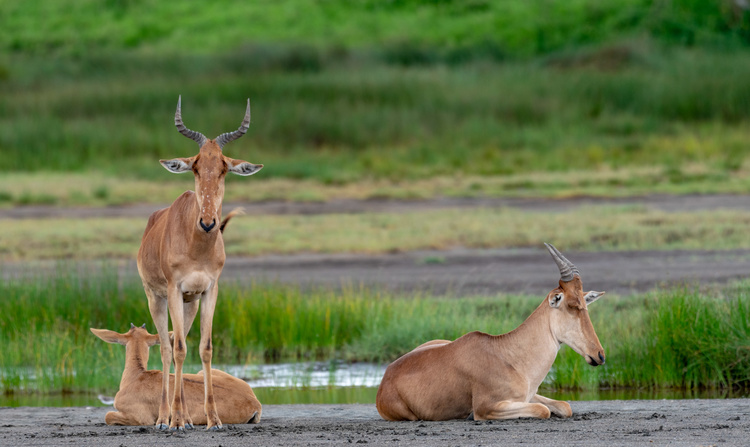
166, 353
180, 350
206, 352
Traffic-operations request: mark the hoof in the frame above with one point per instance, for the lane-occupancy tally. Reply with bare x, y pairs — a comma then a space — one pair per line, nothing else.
216, 428
189, 426
178, 429
162, 426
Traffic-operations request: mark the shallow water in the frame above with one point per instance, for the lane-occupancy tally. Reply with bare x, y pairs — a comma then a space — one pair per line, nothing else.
340, 383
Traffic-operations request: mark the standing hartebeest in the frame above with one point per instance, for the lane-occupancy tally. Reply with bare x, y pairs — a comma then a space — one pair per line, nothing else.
180, 261
495, 376
137, 401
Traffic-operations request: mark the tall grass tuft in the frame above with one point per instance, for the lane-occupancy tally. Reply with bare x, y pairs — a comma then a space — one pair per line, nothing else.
681, 338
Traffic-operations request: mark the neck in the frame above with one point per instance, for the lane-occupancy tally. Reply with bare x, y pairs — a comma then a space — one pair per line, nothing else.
532, 347
136, 359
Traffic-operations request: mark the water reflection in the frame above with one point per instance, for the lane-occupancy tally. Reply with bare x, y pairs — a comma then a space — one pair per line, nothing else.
309, 374
344, 383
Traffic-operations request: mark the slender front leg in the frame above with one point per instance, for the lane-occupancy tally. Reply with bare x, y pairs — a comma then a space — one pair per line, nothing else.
180, 352
206, 350
158, 307
557, 407
510, 410
190, 311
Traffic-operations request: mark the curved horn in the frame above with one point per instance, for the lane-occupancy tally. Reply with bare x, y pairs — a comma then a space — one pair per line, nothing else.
225, 138
132, 325
193, 135
572, 266
567, 269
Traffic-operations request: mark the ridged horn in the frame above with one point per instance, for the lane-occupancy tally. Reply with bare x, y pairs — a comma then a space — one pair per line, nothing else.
567, 269
572, 266
225, 138
193, 135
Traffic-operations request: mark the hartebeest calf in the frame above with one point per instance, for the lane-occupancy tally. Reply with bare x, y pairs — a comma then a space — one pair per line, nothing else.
495, 376
180, 261
137, 401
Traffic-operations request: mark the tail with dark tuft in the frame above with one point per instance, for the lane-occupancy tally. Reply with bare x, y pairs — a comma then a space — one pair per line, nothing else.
225, 220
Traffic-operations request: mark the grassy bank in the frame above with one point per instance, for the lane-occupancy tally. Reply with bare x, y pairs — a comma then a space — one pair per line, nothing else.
356, 97
613, 228
350, 121
458, 29
674, 338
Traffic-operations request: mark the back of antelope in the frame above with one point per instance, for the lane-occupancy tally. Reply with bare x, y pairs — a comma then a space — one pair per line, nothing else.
495, 376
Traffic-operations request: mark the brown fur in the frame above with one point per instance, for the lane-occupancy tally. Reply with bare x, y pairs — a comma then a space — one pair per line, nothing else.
491, 376
180, 262
137, 401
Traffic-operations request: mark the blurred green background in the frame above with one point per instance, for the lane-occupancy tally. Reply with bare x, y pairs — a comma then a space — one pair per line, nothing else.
361, 99
345, 92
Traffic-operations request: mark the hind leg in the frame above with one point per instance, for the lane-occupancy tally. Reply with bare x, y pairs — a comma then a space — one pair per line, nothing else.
390, 405
119, 418
557, 407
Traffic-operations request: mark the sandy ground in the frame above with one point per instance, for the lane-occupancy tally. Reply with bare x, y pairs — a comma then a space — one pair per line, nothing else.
610, 423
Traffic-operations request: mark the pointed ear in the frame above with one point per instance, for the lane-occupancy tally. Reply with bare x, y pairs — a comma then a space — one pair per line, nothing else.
152, 340
241, 167
592, 296
555, 299
178, 165
110, 336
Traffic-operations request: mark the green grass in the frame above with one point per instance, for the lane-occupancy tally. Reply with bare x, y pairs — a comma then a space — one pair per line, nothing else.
682, 338
363, 92
344, 123
461, 29
612, 228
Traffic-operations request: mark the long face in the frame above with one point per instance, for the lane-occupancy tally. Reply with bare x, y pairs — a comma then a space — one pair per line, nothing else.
209, 167
570, 319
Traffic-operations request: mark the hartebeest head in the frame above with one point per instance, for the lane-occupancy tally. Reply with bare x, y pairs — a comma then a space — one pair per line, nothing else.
137, 341
210, 167
569, 320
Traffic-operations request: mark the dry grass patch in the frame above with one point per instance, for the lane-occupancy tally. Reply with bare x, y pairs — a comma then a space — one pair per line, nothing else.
589, 228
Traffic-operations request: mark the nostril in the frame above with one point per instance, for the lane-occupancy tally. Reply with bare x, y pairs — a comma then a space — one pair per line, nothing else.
205, 227
601, 357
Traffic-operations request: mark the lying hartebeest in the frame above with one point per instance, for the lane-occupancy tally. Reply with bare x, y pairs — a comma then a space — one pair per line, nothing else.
137, 401
180, 261
495, 376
